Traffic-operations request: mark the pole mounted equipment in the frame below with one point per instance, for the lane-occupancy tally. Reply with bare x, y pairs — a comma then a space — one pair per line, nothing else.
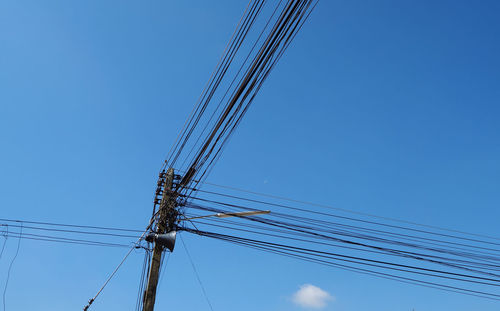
163, 237
167, 240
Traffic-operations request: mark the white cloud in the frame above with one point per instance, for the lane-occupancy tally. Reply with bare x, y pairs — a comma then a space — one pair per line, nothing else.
310, 296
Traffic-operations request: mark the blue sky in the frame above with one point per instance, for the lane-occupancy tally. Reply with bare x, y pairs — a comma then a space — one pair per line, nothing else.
384, 107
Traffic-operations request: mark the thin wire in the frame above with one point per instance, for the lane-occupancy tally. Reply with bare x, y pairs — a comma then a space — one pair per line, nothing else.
365, 261
67, 225
5, 235
48, 238
10, 268
196, 273
300, 228
145, 272
399, 253
295, 238
234, 79
138, 304
375, 273
163, 266
116, 269
293, 251
244, 94
77, 231
333, 215
198, 102
348, 210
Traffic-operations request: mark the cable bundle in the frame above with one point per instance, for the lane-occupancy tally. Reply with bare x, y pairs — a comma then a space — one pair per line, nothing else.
232, 88
407, 252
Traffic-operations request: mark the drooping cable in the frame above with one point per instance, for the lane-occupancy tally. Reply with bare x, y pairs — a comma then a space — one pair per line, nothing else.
4, 234
10, 269
310, 255
91, 300
196, 273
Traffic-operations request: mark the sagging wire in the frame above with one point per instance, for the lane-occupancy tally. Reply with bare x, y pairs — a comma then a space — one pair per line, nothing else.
196, 273
5, 234
10, 267
136, 245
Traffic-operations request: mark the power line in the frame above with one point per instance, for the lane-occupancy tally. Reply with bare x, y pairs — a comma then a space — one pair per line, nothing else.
49, 238
68, 225
4, 234
362, 260
309, 203
334, 215
479, 265
301, 227
142, 284
301, 253
266, 232
196, 273
9, 270
251, 76
79, 232
272, 49
116, 269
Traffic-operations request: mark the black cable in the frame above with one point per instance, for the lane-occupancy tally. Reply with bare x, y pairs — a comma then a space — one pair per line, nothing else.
452, 265
138, 303
144, 275
346, 210
222, 69
367, 261
163, 265
4, 234
263, 245
339, 216
462, 263
237, 106
311, 231
79, 232
196, 273
68, 225
49, 238
364, 271
9, 270
234, 79
375, 273
301, 228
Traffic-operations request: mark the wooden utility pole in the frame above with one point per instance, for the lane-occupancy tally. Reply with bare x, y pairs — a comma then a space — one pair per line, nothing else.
165, 222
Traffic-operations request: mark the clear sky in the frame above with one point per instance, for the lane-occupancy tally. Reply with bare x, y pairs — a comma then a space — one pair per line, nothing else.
385, 107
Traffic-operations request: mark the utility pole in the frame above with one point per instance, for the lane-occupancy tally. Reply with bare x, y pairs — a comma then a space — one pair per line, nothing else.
164, 236
165, 224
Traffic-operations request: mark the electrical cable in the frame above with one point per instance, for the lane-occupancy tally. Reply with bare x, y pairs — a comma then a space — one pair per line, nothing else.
347, 210
5, 235
464, 263
77, 231
266, 246
196, 273
9, 270
307, 229
337, 216
116, 269
68, 225
48, 238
